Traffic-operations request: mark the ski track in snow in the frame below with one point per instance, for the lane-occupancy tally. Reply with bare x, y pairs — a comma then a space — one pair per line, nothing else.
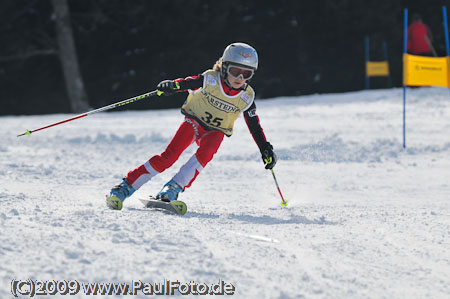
366, 218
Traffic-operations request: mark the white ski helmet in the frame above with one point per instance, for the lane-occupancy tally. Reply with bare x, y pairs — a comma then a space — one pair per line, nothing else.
239, 54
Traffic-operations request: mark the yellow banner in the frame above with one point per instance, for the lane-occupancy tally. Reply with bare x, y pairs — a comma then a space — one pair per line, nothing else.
425, 71
377, 68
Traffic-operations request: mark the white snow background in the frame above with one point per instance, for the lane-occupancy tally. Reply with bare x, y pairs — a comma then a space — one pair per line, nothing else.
366, 218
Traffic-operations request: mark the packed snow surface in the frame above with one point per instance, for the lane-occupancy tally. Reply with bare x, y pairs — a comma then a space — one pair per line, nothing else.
366, 217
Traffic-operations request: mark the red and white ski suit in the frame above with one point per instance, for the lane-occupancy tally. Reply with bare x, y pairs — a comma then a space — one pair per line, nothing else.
190, 131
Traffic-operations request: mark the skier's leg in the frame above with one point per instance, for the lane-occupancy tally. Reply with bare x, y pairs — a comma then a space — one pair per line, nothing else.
209, 143
136, 178
158, 163
184, 137
141, 175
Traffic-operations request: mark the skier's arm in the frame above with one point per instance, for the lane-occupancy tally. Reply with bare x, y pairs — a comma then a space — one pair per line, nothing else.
169, 87
266, 149
191, 82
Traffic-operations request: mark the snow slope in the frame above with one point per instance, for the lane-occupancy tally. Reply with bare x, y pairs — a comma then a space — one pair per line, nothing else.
366, 218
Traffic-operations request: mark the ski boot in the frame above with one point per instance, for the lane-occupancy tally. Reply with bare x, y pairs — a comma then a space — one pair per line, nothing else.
118, 194
169, 192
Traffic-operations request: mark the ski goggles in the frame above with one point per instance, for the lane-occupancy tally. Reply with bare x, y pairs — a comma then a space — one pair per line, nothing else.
238, 71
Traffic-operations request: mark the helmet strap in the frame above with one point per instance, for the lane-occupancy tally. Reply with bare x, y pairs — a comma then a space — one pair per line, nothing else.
231, 87
225, 79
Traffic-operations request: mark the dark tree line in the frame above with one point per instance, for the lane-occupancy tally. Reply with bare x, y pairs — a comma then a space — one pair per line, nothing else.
96, 52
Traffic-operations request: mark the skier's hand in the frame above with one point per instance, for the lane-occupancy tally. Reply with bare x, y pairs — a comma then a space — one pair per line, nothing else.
167, 87
268, 156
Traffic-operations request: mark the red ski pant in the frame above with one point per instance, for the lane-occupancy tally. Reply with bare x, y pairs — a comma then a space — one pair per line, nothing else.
188, 132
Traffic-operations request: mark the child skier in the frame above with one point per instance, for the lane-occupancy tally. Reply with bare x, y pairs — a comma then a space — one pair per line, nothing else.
215, 100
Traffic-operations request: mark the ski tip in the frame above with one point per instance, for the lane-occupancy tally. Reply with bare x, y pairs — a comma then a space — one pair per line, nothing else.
113, 202
179, 207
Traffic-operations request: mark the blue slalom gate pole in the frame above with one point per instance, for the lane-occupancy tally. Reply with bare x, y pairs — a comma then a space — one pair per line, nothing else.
386, 57
367, 59
405, 37
447, 47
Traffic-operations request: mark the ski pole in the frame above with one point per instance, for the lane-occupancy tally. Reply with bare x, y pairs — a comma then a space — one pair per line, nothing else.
283, 202
430, 45
112, 106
